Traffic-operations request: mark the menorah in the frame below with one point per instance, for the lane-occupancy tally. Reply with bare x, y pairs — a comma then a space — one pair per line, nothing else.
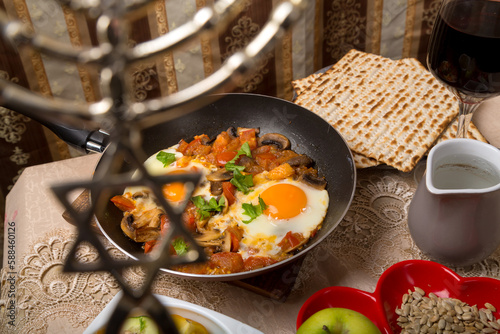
123, 119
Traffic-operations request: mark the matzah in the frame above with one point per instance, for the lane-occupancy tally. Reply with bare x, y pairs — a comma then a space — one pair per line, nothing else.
360, 161
388, 111
472, 132
301, 85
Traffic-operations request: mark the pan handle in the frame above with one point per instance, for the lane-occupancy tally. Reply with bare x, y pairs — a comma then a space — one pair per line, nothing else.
94, 140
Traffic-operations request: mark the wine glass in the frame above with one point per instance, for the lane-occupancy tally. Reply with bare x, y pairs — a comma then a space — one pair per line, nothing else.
464, 53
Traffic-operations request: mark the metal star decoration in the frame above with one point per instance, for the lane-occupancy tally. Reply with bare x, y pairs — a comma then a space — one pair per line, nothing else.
101, 186
123, 119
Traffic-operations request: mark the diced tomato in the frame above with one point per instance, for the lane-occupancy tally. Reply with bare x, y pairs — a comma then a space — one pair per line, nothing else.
149, 245
228, 261
290, 240
235, 243
265, 159
197, 146
281, 172
189, 217
234, 144
221, 142
211, 158
182, 146
165, 224
228, 189
263, 149
249, 136
236, 235
256, 262
224, 157
123, 203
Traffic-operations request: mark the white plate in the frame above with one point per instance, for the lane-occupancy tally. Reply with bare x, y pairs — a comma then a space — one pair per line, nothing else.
214, 322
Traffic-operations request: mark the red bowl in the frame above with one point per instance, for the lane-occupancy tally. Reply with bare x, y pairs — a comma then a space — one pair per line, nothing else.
380, 305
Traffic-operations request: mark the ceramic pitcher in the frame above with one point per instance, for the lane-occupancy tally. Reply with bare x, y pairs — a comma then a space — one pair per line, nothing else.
454, 216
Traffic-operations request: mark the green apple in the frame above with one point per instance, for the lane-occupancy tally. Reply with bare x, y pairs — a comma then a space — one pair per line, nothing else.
337, 320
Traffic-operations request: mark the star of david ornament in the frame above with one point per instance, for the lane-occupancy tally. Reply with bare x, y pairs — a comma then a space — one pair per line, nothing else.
100, 187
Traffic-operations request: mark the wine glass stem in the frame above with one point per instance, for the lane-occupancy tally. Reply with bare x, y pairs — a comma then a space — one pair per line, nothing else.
466, 110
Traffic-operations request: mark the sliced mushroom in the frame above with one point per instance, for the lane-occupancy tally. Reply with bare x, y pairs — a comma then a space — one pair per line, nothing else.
141, 194
226, 243
225, 209
300, 160
150, 218
313, 180
210, 239
246, 162
205, 140
232, 132
216, 188
276, 139
138, 235
126, 225
200, 225
220, 175
208, 236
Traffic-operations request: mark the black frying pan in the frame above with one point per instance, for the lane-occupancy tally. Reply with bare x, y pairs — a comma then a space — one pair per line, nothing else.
308, 133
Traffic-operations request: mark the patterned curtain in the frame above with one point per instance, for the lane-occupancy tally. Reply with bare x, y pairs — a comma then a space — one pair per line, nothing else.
327, 30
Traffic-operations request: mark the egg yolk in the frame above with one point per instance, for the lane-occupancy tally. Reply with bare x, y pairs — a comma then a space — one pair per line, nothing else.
175, 191
284, 200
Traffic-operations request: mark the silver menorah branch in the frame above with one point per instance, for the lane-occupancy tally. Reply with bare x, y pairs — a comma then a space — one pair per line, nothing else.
123, 118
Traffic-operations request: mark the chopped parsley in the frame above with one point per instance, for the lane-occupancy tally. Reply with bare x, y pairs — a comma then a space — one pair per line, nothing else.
244, 150
180, 246
165, 157
205, 208
240, 181
253, 211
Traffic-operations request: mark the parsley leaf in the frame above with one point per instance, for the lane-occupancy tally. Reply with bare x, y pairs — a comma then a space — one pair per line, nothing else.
204, 207
180, 246
242, 182
244, 150
253, 211
165, 157
231, 167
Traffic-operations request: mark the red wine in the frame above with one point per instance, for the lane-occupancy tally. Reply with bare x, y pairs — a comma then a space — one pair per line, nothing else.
465, 48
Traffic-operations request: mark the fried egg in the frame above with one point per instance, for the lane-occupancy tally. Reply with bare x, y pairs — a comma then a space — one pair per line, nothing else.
292, 206
175, 192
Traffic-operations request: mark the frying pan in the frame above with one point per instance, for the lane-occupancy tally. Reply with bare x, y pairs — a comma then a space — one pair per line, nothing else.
308, 133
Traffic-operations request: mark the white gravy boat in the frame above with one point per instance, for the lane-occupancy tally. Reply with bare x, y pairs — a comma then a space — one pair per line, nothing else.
454, 216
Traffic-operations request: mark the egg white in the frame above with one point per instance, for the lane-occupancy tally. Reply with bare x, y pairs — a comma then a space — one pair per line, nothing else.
264, 232
155, 167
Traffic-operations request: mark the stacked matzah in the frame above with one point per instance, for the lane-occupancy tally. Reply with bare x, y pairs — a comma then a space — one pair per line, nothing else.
388, 111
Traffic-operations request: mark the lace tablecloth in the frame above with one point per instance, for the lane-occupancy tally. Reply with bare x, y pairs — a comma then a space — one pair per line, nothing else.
36, 297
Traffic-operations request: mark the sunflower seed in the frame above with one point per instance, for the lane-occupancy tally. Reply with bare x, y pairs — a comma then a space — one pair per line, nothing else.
490, 307
435, 315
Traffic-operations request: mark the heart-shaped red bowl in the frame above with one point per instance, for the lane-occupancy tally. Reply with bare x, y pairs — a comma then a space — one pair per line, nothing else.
380, 305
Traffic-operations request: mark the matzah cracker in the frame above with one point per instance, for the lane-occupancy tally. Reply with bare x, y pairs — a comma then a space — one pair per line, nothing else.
360, 161
300, 85
472, 132
389, 111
